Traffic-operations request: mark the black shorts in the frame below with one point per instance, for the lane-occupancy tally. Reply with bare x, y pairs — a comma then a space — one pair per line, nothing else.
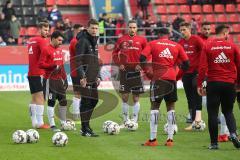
76, 84
131, 82
35, 84
54, 90
163, 89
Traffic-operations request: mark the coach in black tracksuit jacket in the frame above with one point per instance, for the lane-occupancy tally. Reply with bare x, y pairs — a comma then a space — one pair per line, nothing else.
88, 70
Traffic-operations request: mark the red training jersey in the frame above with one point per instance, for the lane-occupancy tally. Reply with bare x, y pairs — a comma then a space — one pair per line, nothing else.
128, 49
50, 58
220, 60
35, 46
193, 47
72, 51
165, 57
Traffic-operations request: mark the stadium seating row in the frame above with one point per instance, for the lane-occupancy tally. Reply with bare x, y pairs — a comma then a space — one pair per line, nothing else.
206, 9
68, 2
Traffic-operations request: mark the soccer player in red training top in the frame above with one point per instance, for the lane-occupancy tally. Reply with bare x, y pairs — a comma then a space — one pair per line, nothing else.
192, 45
165, 56
35, 46
55, 79
126, 55
75, 79
220, 61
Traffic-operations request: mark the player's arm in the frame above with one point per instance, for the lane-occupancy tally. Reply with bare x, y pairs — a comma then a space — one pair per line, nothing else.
81, 49
43, 63
115, 56
147, 67
202, 70
183, 58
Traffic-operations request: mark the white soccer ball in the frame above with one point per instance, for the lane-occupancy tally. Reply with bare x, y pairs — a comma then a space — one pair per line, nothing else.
32, 136
106, 125
113, 128
198, 126
19, 136
131, 125
60, 139
165, 128
68, 125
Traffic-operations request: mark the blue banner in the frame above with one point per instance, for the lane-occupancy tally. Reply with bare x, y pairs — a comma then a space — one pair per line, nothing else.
13, 74
109, 6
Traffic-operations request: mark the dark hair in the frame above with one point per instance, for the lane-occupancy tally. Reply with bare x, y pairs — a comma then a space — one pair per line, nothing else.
132, 21
162, 31
56, 34
220, 28
206, 23
185, 24
93, 22
43, 23
76, 26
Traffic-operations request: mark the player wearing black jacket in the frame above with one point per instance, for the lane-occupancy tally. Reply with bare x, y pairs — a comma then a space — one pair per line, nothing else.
87, 65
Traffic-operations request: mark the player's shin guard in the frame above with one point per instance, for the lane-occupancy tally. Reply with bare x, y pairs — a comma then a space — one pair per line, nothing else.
171, 120
50, 113
39, 114
153, 124
136, 108
125, 108
63, 113
33, 115
223, 126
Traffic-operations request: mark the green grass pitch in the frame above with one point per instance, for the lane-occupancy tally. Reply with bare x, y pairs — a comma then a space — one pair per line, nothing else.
125, 146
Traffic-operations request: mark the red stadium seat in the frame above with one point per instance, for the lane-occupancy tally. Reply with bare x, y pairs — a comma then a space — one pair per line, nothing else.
236, 28
221, 18
169, 1
212, 28
184, 9
233, 18
62, 2
238, 38
210, 18
164, 18
50, 2
230, 8
207, 8
238, 7
187, 18
181, 1
218, 8
162, 10
198, 17
196, 9
74, 2
84, 2
32, 31
172, 9
157, 2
